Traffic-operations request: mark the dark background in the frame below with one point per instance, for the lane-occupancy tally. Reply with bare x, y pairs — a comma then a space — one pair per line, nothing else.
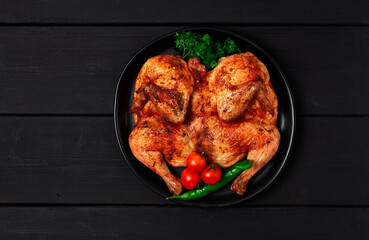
62, 175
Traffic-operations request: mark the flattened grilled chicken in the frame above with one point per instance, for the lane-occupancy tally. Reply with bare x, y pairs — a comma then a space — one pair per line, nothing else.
163, 89
167, 82
232, 114
235, 117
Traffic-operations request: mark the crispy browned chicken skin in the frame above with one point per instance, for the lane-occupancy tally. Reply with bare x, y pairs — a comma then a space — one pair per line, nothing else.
155, 141
166, 81
232, 115
236, 82
163, 89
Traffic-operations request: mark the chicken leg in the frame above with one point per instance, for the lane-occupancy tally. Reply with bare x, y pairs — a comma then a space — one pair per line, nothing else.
259, 158
154, 141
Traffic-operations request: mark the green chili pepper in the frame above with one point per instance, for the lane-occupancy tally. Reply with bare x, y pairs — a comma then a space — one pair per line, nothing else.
227, 177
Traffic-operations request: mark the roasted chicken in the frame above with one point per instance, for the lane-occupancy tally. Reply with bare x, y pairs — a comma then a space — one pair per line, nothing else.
162, 93
236, 115
231, 115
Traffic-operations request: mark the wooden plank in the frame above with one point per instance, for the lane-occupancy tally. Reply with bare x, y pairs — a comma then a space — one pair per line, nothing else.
65, 70
74, 70
76, 160
65, 160
191, 11
183, 223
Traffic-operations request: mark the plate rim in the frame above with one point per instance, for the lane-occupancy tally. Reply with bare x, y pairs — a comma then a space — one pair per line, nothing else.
290, 97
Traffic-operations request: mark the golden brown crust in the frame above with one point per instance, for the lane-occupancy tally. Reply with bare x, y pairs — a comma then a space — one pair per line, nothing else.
232, 113
168, 83
236, 82
155, 142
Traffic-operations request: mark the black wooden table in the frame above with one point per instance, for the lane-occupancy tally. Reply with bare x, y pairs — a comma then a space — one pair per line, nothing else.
62, 175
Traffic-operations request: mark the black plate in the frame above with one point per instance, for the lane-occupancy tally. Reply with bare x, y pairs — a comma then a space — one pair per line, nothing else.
124, 122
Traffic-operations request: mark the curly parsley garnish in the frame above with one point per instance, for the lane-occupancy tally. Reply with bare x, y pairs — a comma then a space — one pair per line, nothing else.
204, 48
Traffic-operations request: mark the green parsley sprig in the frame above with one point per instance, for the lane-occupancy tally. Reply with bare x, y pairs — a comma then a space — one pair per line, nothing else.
204, 48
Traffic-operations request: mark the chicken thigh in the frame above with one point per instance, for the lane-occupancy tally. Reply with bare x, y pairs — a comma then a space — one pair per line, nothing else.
154, 141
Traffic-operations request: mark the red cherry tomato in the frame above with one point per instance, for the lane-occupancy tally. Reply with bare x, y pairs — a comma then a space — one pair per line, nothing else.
211, 174
190, 179
196, 162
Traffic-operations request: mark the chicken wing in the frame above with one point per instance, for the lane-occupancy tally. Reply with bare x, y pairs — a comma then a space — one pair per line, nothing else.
236, 81
167, 82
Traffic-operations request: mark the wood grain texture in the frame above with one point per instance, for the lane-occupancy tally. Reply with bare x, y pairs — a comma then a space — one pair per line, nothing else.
61, 160
191, 11
74, 70
76, 160
183, 223
62, 175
